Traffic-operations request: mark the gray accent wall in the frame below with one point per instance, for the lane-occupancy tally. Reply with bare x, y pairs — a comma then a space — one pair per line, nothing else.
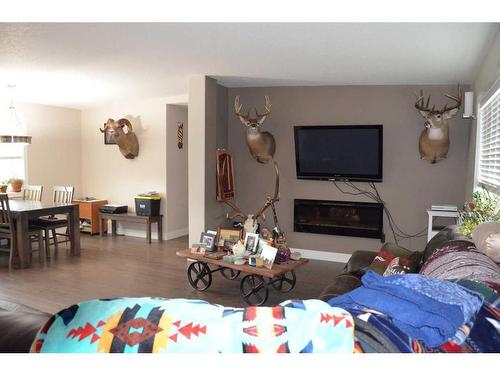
409, 185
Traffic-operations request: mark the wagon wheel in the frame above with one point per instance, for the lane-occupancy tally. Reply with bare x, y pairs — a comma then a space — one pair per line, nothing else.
285, 282
229, 273
253, 290
199, 276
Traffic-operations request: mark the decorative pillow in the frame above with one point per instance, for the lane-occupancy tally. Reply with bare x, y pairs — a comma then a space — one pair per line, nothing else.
407, 261
486, 236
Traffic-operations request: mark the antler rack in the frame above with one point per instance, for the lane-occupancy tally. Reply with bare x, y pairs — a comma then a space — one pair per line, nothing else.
419, 104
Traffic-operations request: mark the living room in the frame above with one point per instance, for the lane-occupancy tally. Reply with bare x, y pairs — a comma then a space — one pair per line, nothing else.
354, 146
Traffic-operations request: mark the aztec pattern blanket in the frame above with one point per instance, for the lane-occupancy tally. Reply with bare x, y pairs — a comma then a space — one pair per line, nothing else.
158, 325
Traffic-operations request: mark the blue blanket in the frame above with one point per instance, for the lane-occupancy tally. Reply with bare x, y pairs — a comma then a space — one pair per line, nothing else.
422, 307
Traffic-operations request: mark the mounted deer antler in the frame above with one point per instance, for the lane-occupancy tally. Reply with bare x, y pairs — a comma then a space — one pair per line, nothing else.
250, 224
434, 140
262, 145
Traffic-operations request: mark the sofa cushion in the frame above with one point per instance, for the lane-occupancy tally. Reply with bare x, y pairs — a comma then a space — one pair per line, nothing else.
447, 234
486, 237
19, 325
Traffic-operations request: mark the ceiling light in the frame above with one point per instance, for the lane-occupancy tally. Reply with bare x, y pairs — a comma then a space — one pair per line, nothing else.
16, 134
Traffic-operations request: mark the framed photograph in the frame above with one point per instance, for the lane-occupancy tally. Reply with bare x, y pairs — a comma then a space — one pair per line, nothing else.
251, 242
209, 240
109, 138
227, 237
268, 255
260, 246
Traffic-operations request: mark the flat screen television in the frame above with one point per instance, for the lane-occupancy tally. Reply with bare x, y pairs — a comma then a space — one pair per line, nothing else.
343, 152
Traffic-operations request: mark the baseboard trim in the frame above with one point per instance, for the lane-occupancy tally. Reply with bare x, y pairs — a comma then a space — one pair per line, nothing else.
177, 233
324, 255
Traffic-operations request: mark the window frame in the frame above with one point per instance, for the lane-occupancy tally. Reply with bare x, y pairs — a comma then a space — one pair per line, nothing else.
482, 100
24, 157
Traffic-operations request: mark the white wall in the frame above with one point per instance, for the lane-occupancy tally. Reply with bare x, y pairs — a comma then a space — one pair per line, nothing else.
177, 173
108, 175
54, 156
488, 74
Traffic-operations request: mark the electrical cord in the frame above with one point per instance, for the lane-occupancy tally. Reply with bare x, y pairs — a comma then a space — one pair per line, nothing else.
397, 232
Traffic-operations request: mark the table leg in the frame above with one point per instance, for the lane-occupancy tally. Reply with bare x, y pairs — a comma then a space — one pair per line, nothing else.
148, 232
101, 226
113, 227
160, 229
23, 241
74, 229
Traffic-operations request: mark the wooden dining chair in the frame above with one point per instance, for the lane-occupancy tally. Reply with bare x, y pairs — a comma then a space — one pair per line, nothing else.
32, 193
7, 231
50, 224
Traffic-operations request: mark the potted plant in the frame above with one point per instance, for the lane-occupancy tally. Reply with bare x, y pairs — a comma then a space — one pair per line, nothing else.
3, 186
483, 207
16, 184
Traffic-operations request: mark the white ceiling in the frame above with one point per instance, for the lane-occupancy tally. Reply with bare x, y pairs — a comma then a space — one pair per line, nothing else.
83, 64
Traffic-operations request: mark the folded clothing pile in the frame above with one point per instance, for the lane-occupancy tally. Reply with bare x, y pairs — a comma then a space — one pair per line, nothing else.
421, 307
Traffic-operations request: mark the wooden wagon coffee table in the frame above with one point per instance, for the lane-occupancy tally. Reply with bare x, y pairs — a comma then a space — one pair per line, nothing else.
254, 287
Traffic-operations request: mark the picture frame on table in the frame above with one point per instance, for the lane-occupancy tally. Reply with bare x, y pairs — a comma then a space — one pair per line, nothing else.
260, 246
251, 243
209, 240
268, 255
227, 237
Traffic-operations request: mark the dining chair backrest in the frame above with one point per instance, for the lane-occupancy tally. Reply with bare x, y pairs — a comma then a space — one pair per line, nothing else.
32, 192
5, 220
63, 194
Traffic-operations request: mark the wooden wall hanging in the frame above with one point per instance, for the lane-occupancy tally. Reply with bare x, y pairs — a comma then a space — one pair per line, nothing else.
180, 135
225, 175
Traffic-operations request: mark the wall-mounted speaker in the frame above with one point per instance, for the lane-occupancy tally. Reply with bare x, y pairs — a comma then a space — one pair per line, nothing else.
468, 105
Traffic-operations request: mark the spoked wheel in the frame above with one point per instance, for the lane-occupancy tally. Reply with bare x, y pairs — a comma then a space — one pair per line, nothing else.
253, 290
199, 276
229, 273
285, 282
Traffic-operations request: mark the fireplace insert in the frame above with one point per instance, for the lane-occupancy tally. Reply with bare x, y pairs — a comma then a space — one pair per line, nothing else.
357, 219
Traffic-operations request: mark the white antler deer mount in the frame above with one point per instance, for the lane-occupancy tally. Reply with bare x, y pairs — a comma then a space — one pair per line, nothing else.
434, 140
262, 145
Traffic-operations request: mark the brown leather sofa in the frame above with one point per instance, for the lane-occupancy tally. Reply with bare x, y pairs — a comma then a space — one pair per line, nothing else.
354, 269
19, 325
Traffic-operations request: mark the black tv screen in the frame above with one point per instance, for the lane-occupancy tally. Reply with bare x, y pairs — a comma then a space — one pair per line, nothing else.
341, 152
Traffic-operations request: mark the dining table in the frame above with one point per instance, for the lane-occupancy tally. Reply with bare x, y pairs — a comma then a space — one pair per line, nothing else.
22, 211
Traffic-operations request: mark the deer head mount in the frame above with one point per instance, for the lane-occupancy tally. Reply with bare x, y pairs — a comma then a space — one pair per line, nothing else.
434, 140
127, 141
250, 220
261, 144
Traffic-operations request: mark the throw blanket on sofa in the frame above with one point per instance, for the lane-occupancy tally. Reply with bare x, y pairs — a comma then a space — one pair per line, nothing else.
158, 325
422, 307
461, 260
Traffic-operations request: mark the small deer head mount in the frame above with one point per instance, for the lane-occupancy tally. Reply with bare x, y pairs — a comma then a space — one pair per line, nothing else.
262, 145
127, 141
434, 140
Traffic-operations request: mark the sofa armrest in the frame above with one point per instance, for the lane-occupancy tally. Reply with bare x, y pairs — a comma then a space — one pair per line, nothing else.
359, 260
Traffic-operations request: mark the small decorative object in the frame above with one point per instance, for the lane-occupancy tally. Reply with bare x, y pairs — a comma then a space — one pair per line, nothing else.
296, 255
3, 188
239, 248
198, 248
255, 261
268, 255
283, 254
216, 256
484, 207
224, 175
127, 141
16, 184
180, 135
209, 240
251, 241
434, 140
240, 261
262, 145
228, 236
228, 258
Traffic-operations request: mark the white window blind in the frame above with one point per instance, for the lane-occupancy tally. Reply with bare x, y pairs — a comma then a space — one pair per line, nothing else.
489, 142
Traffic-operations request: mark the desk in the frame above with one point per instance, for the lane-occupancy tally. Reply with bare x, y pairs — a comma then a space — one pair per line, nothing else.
131, 218
22, 211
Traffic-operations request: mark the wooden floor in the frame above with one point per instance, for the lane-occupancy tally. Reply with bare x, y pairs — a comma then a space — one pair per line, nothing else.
127, 266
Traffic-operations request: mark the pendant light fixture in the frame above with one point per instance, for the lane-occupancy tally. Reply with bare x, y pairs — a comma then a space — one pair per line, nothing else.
15, 134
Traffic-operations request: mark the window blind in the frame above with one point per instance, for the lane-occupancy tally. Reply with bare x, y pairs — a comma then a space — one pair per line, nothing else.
489, 142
